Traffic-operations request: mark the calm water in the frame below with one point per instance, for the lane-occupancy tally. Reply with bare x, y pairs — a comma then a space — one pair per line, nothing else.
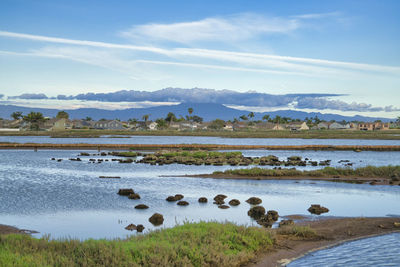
375, 251
67, 199
195, 140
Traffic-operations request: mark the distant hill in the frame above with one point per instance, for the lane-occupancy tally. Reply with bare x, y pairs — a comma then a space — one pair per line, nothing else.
206, 111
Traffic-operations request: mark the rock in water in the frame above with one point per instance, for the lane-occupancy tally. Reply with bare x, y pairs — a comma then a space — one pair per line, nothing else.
317, 209
156, 219
182, 203
141, 207
254, 201
234, 202
131, 227
125, 191
256, 212
203, 200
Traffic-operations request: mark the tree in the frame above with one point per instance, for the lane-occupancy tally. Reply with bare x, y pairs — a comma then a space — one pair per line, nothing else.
170, 118
145, 117
133, 121
197, 119
62, 115
34, 119
251, 115
265, 117
88, 119
190, 111
161, 123
16, 115
244, 118
217, 124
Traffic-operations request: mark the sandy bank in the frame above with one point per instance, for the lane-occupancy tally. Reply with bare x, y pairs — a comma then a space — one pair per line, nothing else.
331, 232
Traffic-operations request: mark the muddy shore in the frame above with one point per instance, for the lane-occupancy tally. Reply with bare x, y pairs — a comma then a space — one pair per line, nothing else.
347, 179
7, 229
331, 232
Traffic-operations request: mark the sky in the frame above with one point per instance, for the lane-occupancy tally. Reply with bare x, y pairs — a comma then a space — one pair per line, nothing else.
71, 47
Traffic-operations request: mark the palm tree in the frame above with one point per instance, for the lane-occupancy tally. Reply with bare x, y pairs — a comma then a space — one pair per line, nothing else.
251, 115
170, 118
265, 117
190, 111
34, 118
145, 117
244, 117
16, 115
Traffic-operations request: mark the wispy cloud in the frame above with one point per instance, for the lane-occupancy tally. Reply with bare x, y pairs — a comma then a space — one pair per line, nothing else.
234, 28
247, 61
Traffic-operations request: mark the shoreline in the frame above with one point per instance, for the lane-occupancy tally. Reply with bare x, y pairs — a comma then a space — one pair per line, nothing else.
349, 179
8, 229
392, 134
329, 232
356, 148
333, 232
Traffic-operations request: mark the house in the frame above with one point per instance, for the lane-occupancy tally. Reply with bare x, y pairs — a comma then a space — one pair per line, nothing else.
239, 126
9, 126
228, 126
372, 126
338, 126
82, 124
322, 126
108, 125
297, 126
151, 125
61, 124
269, 126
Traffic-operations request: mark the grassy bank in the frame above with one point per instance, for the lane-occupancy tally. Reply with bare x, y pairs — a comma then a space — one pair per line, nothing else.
387, 172
7, 145
311, 134
190, 244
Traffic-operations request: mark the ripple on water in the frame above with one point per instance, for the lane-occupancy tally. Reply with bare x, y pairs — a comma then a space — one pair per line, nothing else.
375, 251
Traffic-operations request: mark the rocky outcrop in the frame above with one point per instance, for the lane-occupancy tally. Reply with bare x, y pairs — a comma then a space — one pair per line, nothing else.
317, 209
223, 207
256, 212
140, 228
131, 227
134, 196
141, 207
254, 201
125, 191
182, 203
156, 219
203, 200
234, 202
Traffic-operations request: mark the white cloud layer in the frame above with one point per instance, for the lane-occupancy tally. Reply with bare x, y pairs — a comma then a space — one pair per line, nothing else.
221, 29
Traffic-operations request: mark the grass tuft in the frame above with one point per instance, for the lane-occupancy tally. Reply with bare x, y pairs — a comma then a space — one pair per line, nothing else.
190, 244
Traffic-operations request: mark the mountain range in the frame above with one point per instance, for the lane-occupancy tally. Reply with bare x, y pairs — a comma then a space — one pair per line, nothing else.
208, 111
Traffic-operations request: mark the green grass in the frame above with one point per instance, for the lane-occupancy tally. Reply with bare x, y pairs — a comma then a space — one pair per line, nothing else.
367, 172
302, 232
250, 133
190, 244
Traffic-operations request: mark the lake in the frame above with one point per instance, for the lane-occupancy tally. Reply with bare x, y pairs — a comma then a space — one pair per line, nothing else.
68, 199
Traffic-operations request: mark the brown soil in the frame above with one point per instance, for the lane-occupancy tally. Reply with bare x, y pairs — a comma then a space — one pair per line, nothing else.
193, 146
331, 232
347, 179
6, 229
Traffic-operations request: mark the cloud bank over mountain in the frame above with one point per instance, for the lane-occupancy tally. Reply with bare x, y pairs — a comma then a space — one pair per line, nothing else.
227, 97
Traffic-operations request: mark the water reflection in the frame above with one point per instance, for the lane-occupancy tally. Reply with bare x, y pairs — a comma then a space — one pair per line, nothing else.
68, 199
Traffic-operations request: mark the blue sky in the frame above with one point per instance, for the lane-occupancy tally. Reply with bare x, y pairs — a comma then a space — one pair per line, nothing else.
276, 47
